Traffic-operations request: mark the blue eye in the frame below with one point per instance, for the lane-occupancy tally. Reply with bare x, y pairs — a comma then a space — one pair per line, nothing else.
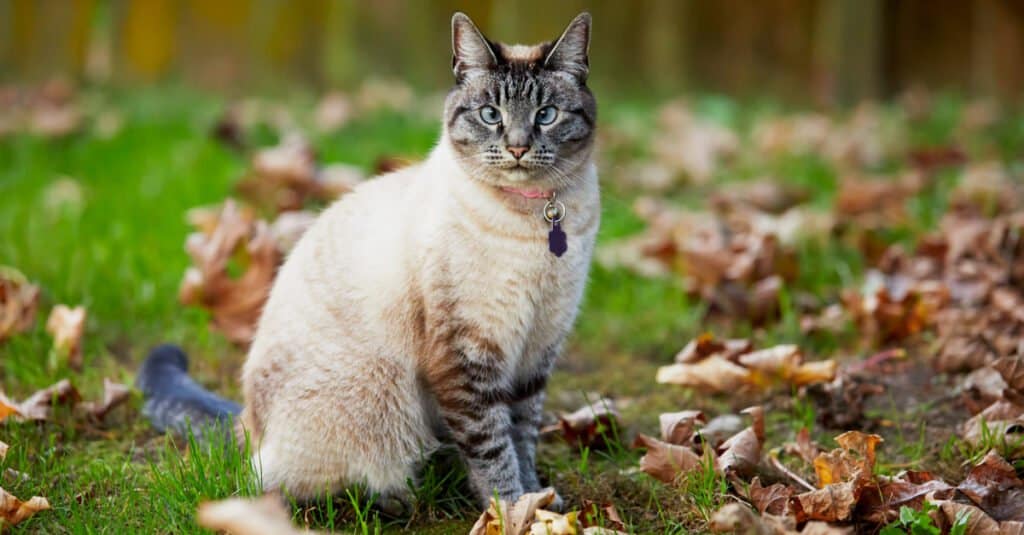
490, 115
547, 115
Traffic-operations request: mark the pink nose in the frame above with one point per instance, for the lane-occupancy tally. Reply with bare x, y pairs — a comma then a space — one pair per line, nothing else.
518, 152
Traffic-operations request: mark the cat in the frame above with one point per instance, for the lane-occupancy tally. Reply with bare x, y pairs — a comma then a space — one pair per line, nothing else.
429, 305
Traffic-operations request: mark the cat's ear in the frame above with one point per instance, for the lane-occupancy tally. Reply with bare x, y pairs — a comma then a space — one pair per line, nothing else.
470, 49
569, 53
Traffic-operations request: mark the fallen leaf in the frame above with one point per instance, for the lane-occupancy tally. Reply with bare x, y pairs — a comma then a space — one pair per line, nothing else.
13, 511
803, 447
714, 373
706, 345
832, 503
742, 452
855, 457
18, 302
516, 519
235, 303
978, 523
3, 449
1003, 420
114, 394
773, 500
39, 405
882, 501
265, 515
550, 523
993, 486
678, 427
738, 518
603, 516
666, 462
718, 430
332, 112
67, 325
592, 426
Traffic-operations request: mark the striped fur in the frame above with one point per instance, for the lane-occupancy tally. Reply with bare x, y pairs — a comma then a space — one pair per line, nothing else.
423, 307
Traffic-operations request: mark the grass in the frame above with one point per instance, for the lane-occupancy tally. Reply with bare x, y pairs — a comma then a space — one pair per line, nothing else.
100, 222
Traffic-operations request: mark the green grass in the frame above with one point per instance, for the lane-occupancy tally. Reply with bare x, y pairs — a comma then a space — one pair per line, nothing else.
116, 246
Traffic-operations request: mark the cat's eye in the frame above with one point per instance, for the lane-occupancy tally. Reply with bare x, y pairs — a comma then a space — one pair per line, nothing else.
490, 115
547, 115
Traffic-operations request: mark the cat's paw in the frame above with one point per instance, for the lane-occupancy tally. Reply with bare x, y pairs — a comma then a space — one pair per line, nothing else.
397, 505
557, 504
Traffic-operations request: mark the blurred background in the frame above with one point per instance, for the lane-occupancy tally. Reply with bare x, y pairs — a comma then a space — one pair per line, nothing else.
822, 51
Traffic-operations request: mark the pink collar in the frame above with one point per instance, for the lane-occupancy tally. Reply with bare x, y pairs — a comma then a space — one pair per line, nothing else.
530, 193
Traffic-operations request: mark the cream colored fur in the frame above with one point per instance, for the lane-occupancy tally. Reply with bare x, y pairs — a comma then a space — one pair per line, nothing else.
333, 381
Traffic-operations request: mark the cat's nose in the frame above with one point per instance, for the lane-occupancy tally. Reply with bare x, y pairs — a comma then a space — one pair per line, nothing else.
518, 152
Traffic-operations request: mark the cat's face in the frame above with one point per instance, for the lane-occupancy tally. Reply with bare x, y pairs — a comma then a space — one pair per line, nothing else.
521, 116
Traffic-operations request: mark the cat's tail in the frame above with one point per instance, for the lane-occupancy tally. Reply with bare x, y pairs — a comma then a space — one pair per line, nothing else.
175, 402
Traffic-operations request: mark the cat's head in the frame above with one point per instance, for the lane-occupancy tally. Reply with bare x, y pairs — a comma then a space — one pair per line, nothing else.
521, 116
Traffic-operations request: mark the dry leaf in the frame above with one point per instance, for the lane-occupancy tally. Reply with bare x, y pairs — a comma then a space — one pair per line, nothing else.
265, 515
666, 462
67, 325
3, 448
13, 511
1003, 419
678, 427
773, 500
592, 426
18, 302
550, 523
516, 518
332, 112
601, 516
235, 304
994, 486
803, 447
114, 394
738, 518
39, 406
713, 373
742, 453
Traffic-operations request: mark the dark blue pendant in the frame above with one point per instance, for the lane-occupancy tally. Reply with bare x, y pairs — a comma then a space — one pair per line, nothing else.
557, 241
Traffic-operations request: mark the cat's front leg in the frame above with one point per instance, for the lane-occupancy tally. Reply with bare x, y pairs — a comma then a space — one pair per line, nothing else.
480, 423
526, 418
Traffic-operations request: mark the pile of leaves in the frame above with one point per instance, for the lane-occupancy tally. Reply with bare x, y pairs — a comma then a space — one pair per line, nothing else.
736, 258
732, 365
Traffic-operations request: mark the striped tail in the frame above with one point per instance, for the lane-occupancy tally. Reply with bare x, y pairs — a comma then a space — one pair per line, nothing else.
175, 402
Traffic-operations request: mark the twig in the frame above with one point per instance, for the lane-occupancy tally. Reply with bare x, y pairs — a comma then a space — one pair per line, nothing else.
789, 473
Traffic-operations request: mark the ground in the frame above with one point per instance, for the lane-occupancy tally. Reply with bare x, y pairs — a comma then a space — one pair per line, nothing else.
119, 251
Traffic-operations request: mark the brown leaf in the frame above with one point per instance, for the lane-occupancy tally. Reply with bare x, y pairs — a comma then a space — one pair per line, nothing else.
994, 486
1012, 371
978, 523
114, 394
265, 515
18, 302
678, 427
1002, 419
881, 503
13, 511
773, 500
601, 514
666, 462
551, 523
706, 345
803, 447
738, 518
67, 325
854, 458
332, 112
591, 426
714, 373
39, 406
742, 453
516, 518
832, 503
235, 304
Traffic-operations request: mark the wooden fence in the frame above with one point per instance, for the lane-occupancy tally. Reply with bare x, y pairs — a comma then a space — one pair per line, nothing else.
825, 50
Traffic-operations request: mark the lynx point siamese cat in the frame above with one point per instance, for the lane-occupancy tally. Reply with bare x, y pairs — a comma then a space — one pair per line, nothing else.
429, 305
